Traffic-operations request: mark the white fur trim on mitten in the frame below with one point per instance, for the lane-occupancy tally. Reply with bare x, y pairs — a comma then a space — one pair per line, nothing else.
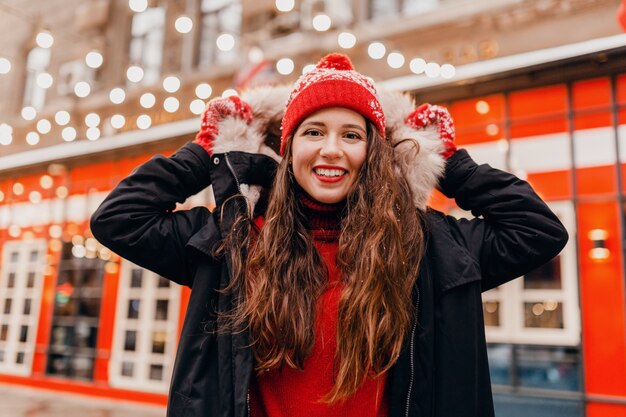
421, 165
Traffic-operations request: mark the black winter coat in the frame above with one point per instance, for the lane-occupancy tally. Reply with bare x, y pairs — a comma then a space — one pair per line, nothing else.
442, 370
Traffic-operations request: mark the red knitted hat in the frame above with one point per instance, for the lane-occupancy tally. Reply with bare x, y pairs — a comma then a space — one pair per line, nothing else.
333, 83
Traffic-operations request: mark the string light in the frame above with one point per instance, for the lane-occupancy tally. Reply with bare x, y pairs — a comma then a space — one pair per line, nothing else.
138, 6
44, 126
117, 95
6, 134
46, 182
448, 71
34, 197
15, 231
285, 5
395, 60
255, 55
32, 138
18, 188
183, 24
5, 66
94, 59
229, 92
44, 40
62, 192
482, 107
118, 121
321, 22
376, 50
62, 117
44, 80
147, 100
134, 74
417, 65
308, 68
82, 89
144, 121
29, 113
225, 42
171, 104
203, 91
68, 134
197, 106
432, 70
285, 66
346, 40
93, 133
171, 84
92, 120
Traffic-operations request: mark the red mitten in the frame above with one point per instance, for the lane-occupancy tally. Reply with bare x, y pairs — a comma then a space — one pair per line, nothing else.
428, 116
217, 110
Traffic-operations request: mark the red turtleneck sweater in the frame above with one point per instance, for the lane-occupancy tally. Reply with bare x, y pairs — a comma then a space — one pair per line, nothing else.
294, 393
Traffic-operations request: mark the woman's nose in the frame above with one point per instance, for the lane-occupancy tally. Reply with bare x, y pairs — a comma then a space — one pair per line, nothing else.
330, 147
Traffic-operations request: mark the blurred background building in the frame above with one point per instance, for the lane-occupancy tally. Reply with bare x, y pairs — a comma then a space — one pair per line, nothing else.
91, 88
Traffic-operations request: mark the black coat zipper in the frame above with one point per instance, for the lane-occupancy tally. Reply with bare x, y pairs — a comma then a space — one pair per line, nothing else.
412, 353
232, 171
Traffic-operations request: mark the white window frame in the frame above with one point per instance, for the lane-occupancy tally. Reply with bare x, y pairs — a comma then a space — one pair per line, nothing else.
18, 294
145, 45
208, 52
512, 296
33, 95
144, 325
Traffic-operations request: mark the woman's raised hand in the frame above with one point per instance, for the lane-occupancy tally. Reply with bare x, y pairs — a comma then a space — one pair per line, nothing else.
427, 116
217, 110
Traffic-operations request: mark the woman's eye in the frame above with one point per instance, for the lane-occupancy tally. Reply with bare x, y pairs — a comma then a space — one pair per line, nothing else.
353, 136
312, 132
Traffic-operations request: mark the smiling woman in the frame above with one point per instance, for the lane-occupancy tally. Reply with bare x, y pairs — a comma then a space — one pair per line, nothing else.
328, 150
322, 284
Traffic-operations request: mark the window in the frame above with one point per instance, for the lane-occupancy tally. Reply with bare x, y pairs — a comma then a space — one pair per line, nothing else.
21, 282
219, 17
76, 315
37, 62
147, 328
542, 306
146, 44
385, 8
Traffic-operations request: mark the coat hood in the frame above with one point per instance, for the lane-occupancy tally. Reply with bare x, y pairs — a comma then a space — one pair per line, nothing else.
416, 152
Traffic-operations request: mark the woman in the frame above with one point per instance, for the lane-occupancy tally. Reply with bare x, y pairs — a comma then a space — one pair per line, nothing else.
341, 293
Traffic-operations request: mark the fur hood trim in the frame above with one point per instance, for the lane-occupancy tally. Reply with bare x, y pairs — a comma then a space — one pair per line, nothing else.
417, 152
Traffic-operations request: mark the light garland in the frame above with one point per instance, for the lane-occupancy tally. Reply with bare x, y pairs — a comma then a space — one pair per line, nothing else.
284, 66
183, 24
203, 91
395, 60
29, 113
138, 6
5, 66
147, 100
134, 74
171, 84
376, 50
44, 126
44, 39
94, 59
62, 117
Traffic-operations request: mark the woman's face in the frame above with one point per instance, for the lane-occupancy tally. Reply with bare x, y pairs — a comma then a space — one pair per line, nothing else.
328, 150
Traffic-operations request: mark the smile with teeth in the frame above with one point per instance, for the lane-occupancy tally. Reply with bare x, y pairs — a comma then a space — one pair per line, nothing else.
326, 172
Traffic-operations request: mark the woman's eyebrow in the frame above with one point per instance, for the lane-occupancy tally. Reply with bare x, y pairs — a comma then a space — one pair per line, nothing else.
322, 124
354, 127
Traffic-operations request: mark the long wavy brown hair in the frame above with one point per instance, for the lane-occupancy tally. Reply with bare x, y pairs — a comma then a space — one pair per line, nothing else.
279, 281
